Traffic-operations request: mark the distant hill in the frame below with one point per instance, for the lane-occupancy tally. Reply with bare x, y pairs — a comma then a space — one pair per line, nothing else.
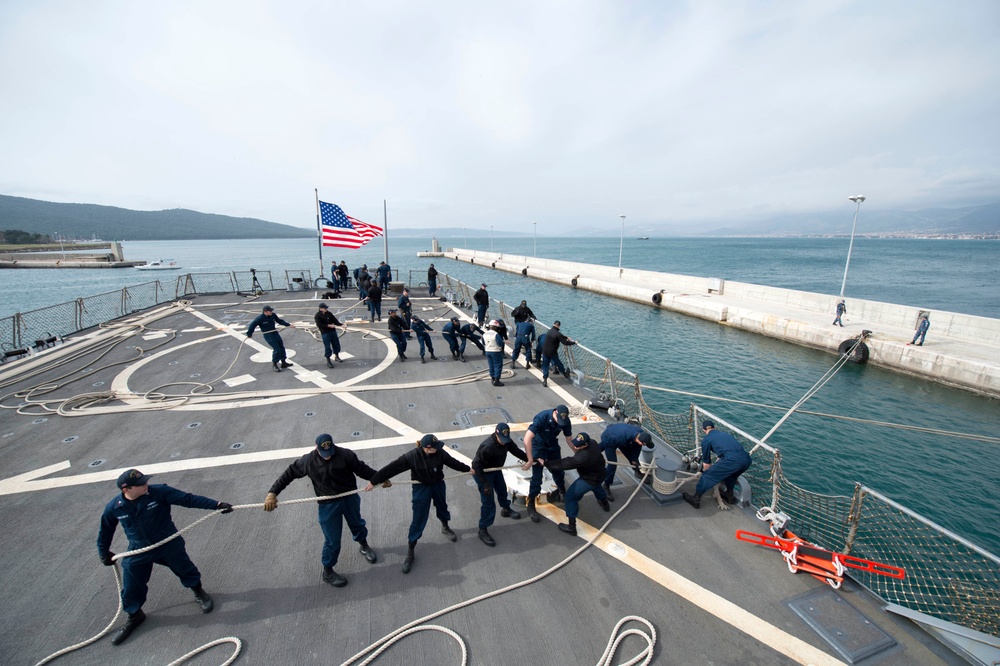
111, 223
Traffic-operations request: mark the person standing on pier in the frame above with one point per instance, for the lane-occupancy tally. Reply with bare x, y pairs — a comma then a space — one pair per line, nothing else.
268, 322
627, 438
422, 329
144, 513
397, 331
432, 281
426, 464
542, 441
482, 299
732, 461
589, 464
550, 352
327, 324
492, 453
841, 311
451, 333
922, 327
333, 470
493, 346
524, 336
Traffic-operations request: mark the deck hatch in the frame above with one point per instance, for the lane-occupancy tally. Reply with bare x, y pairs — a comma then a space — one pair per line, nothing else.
848, 631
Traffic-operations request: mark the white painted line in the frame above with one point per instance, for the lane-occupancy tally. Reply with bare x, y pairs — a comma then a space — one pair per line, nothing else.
196, 329
239, 381
155, 336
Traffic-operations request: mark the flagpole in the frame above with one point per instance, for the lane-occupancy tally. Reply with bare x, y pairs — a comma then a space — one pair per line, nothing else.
385, 237
319, 235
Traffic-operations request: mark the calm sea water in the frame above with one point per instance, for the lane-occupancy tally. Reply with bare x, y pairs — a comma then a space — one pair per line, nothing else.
951, 481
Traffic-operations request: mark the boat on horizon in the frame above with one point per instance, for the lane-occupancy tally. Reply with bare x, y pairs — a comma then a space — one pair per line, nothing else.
160, 265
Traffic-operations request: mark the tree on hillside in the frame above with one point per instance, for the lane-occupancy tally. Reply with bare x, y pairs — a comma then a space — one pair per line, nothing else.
18, 237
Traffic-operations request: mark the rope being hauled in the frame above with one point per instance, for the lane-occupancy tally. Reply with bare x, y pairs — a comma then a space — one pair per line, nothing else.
648, 635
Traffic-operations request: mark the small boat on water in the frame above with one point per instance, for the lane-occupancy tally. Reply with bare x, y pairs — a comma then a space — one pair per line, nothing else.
643, 238
160, 265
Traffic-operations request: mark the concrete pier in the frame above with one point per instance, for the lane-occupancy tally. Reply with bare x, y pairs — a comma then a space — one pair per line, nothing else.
113, 258
961, 350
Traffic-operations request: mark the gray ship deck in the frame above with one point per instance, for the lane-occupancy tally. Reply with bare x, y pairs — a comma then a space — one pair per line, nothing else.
711, 598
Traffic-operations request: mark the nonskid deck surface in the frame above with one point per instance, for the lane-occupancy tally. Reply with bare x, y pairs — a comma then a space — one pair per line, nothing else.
711, 598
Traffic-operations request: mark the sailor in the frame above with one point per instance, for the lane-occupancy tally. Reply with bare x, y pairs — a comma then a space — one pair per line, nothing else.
542, 441
333, 471
397, 331
361, 278
268, 321
524, 335
384, 273
432, 281
144, 513
451, 332
925, 323
522, 313
343, 272
493, 346
406, 307
841, 311
327, 323
374, 299
422, 329
492, 453
426, 464
589, 463
733, 461
482, 299
472, 332
627, 438
550, 352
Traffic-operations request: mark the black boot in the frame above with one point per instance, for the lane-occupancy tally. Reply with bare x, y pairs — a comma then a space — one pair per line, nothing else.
545, 381
368, 553
607, 491
693, 500
133, 621
422, 360
535, 518
445, 530
408, 560
527, 365
433, 357
277, 368
568, 529
285, 363
604, 504
485, 537
728, 496
202, 596
497, 382
329, 363
331, 577
337, 358
510, 513
557, 496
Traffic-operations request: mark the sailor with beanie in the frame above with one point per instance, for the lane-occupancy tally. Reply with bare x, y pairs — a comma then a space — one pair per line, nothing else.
332, 470
268, 322
732, 461
426, 464
624, 437
589, 463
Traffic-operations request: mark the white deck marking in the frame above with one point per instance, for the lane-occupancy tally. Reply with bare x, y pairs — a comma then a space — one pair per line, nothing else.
155, 336
239, 381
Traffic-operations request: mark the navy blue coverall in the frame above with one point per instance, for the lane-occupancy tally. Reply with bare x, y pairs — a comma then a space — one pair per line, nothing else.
732, 461
620, 437
268, 326
492, 487
545, 445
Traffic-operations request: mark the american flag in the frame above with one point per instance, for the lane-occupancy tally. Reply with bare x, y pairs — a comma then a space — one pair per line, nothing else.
340, 230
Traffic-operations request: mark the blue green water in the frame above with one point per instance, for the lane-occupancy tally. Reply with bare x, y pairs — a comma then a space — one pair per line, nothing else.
951, 481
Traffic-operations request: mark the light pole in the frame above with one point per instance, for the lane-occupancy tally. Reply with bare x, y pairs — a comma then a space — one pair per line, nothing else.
534, 251
621, 245
857, 200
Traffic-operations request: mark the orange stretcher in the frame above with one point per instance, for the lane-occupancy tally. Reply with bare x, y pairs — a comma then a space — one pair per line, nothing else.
823, 565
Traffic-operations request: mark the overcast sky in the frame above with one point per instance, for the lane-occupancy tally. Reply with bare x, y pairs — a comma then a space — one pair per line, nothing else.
474, 114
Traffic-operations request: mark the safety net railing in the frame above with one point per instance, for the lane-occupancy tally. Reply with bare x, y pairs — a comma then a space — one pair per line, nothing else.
205, 283
244, 281
31, 329
946, 576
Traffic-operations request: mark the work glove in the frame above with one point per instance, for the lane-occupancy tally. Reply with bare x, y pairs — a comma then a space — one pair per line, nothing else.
107, 559
387, 484
270, 502
225, 506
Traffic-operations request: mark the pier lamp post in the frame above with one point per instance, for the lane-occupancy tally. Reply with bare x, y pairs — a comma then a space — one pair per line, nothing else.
621, 244
534, 251
857, 200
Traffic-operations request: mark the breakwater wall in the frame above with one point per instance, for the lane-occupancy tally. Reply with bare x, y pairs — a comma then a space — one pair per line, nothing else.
961, 350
